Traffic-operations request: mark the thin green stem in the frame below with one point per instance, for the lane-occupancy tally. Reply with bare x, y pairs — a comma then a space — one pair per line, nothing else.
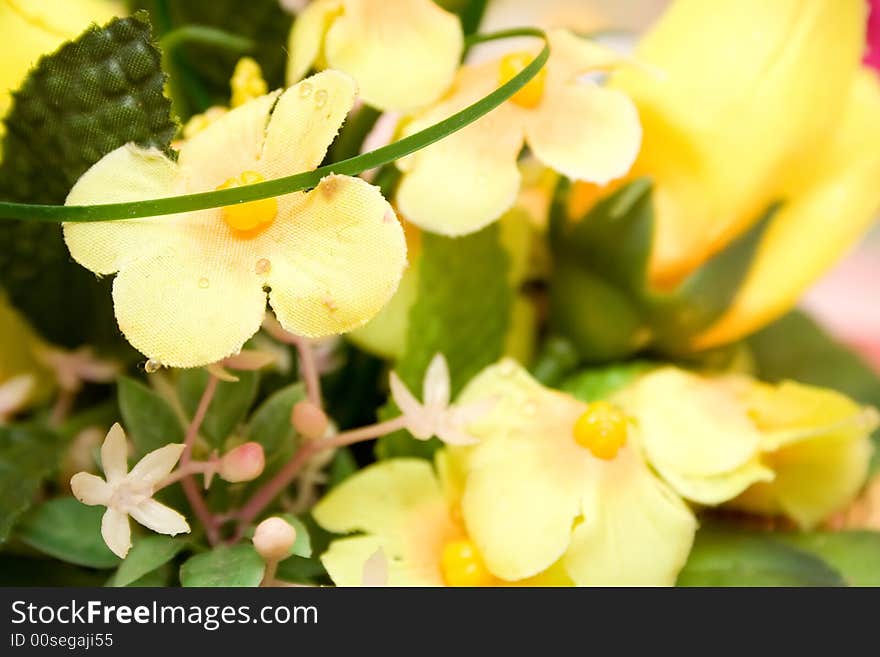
208, 36
300, 181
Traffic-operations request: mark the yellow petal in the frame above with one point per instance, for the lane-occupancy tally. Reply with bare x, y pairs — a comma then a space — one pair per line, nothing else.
398, 503
734, 93
634, 531
832, 199
403, 53
194, 303
227, 147
306, 41
304, 122
338, 255
128, 173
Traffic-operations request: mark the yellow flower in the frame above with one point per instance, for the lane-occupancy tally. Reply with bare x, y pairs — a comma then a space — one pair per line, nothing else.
556, 480
37, 27
778, 449
469, 179
745, 103
401, 509
818, 444
402, 53
191, 288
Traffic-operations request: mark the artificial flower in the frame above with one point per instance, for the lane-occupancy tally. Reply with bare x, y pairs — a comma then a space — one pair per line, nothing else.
816, 441
556, 480
38, 28
402, 509
191, 288
745, 103
127, 493
572, 125
434, 416
872, 54
402, 53
74, 368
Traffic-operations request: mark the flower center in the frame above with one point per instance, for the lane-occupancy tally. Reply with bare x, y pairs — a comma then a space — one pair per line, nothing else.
461, 565
531, 94
601, 429
128, 495
248, 218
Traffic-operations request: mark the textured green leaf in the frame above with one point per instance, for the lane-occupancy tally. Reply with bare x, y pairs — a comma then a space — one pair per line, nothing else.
149, 420
462, 311
600, 382
736, 558
68, 530
93, 95
854, 554
270, 424
146, 555
28, 454
229, 407
239, 565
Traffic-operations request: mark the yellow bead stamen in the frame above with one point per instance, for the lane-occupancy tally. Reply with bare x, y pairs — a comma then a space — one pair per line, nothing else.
246, 218
247, 82
461, 565
601, 429
530, 95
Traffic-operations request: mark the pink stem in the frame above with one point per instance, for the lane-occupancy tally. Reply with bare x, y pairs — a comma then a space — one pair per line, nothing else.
188, 483
191, 468
308, 369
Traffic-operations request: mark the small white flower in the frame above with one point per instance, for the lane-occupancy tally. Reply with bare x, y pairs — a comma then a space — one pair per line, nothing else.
127, 493
14, 394
436, 417
74, 368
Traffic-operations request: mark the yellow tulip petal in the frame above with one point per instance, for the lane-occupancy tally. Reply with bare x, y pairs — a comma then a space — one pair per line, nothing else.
189, 305
128, 173
403, 53
304, 122
227, 147
833, 199
743, 88
307, 37
634, 532
338, 257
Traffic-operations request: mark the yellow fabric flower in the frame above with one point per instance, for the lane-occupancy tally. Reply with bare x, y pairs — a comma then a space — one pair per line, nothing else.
402, 53
38, 27
401, 509
571, 125
190, 288
818, 444
555, 480
745, 103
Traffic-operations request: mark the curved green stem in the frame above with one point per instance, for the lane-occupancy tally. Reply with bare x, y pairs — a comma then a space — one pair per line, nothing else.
301, 181
204, 35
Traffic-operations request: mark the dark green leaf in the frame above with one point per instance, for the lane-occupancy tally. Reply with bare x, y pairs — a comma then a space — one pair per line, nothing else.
600, 382
736, 558
557, 359
30, 571
341, 467
149, 420
91, 96
462, 311
28, 454
854, 554
146, 555
270, 424
229, 407
68, 530
239, 565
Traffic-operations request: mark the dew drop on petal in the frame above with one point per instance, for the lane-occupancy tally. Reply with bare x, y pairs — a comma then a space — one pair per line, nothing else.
152, 366
305, 90
320, 98
263, 266
507, 368
204, 283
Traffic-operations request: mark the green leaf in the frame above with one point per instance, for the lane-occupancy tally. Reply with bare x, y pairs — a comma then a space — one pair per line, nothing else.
147, 555
149, 420
91, 96
239, 565
229, 407
556, 359
462, 311
854, 554
601, 382
797, 348
39, 571
723, 557
302, 547
68, 530
341, 467
270, 424
28, 454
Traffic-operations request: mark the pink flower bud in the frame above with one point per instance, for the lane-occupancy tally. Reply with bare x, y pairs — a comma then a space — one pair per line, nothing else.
244, 463
273, 539
309, 420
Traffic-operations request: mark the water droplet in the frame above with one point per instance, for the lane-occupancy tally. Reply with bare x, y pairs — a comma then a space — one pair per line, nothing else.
264, 266
152, 366
507, 368
204, 283
320, 98
305, 90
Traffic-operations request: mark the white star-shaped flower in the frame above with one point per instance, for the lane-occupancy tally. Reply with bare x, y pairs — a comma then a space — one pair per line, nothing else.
127, 493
